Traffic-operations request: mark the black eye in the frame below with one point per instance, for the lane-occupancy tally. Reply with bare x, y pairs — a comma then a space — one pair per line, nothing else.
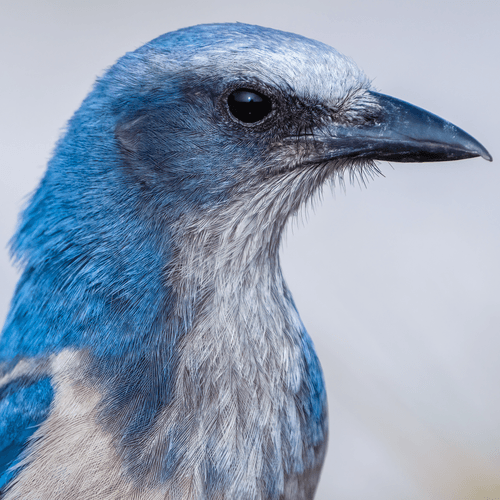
249, 106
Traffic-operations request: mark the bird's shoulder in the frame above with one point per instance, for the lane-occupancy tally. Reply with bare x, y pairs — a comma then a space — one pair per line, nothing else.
25, 397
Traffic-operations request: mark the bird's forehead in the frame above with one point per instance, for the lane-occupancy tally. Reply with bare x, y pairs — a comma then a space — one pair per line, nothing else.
291, 62
306, 73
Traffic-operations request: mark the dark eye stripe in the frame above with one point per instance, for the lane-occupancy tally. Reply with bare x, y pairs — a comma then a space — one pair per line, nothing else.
249, 106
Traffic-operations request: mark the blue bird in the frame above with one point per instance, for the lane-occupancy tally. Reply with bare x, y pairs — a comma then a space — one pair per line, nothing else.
152, 349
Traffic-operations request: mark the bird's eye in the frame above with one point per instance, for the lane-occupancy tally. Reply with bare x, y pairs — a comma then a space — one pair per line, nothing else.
249, 106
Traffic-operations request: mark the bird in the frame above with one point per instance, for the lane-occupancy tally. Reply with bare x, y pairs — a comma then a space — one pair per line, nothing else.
153, 349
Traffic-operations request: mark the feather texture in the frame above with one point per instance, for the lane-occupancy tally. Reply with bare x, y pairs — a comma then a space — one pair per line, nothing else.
152, 349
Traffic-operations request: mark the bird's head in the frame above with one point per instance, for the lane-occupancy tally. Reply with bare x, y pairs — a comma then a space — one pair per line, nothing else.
242, 118
215, 110
213, 114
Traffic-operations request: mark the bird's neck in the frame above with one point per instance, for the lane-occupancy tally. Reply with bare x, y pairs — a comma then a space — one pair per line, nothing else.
227, 280
231, 251
246, 378
239, 316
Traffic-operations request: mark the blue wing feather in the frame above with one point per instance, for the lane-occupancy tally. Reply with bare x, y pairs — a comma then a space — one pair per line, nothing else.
24, 404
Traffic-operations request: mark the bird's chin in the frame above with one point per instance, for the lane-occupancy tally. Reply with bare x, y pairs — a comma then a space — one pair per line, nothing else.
328, 168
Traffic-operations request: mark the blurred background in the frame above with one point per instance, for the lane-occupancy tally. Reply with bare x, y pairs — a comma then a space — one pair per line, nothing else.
397, 282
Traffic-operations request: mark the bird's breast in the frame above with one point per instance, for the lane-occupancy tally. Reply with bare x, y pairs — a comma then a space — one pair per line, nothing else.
249, 400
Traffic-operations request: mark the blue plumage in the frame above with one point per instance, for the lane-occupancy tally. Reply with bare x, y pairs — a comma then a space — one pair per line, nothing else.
152, 346
24, 404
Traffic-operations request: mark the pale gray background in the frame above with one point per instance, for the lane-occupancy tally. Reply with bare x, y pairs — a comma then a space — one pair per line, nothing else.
398, 283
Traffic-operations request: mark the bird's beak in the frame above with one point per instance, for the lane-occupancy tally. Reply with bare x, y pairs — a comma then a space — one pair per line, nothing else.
398, 132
